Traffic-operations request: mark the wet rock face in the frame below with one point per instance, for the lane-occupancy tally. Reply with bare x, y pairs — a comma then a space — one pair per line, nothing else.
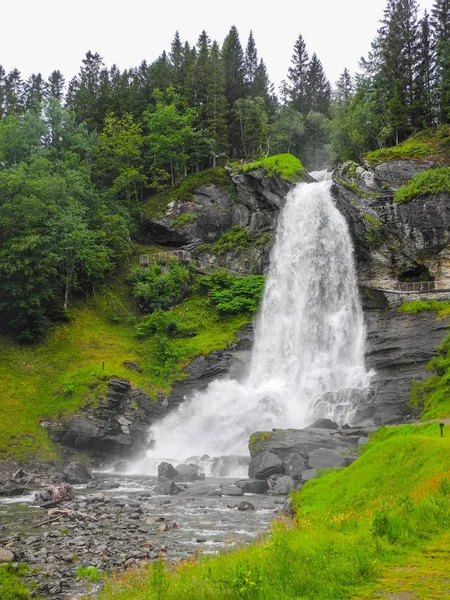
398, 348
391, 239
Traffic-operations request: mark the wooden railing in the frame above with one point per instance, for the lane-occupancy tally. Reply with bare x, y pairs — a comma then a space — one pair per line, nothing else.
186, 257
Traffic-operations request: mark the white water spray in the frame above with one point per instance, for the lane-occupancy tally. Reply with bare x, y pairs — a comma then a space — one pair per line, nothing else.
309, 341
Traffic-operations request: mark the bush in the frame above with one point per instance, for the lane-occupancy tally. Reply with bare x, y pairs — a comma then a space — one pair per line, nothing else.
160, 287
237, 295
434, 181
234, 240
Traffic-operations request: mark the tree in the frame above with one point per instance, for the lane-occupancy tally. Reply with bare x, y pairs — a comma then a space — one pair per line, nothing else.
286, 133
85, 92
117, 156
318, 89
56, 85
250, 120
233, 62
250, 61
176, 57
345, 88
298, 77
14, 93
35, 90
423, 92
216, 122
441, 28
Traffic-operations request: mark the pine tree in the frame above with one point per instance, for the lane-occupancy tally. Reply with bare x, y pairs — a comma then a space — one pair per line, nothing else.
318, 89
160, 73
216, 121
14, 93
298, 76
423, 99
83, 94
441, 28
202, 74
344, 88
250, 61
56, 85
233, 61
35, 90
176, 57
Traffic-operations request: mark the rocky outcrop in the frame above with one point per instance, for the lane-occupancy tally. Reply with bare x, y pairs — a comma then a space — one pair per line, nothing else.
394, 241
117, 426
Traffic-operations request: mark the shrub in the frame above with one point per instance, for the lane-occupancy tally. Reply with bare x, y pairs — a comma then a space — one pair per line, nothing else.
235, 239
160, 287
434, 181
238, 295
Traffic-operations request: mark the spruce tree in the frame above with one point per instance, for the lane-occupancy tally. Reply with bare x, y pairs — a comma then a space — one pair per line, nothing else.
176, 57
216, 121
441, 28
56, 85
2, 91
233, 61
318, 89
423, 98
14, 93
298, 77
250, 61
344, 88
35, 90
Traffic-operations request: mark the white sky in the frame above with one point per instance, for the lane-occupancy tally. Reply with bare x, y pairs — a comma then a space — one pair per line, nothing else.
43, 35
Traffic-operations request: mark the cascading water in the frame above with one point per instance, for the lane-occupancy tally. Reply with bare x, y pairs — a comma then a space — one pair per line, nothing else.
309, 342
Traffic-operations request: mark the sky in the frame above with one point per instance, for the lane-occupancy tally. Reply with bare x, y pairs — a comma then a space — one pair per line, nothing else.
44, 35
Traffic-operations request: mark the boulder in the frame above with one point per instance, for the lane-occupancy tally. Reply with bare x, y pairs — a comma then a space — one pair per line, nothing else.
166, 472
231, 490
294, 465
245, 505
252, 486
5, 556
281, 484
325, 458
167, 488
188, 473
77, 473
324, 424
264, 465
309, 474
201, 491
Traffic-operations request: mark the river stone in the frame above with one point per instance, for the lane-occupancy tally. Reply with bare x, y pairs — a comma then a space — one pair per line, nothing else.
188, 473
309, 474
324, 424
5, 556
294, 465
264, 465
245, 505
325, 458
77, 473
253, 486
166, 472
231, 490
200, 491
280, 484
168, 488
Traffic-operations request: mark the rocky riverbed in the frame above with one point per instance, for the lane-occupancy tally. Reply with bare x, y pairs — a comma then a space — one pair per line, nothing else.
118, 521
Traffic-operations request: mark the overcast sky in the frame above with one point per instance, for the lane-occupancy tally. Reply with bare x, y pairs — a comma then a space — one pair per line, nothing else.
40, 36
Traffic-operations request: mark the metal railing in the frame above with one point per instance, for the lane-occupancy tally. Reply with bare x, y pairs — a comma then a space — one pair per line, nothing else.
186, 257
392, 285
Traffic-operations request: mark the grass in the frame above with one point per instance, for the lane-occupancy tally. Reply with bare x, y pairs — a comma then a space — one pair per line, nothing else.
155, 206
428, 144
351, 526
433, 395
11, 586
286, 166
91, 573
434, 181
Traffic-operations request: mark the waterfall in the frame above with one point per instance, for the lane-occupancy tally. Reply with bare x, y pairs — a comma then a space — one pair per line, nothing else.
309, 341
